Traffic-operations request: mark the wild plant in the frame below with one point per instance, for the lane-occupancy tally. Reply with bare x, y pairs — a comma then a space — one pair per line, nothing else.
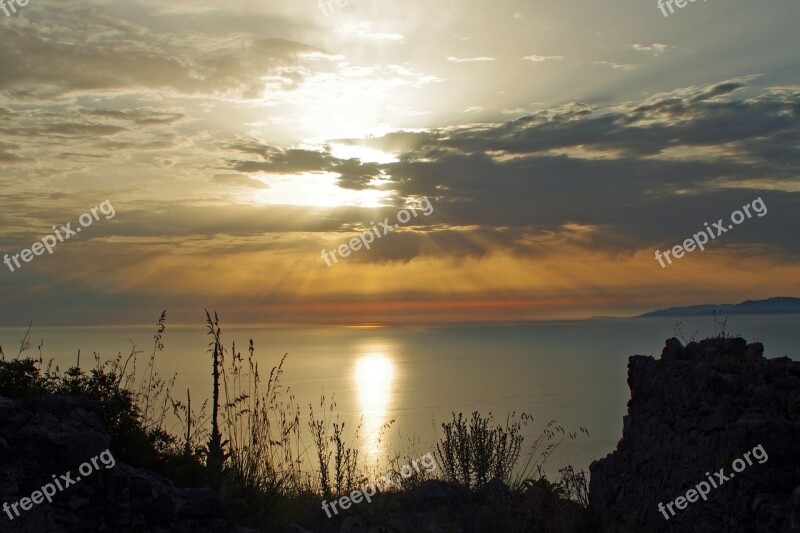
261, 427
574, 485
328, 435
548, 441
474, 451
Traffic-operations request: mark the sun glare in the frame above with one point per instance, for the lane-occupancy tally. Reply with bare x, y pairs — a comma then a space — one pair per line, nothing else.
374, 374
366, 155
315, 189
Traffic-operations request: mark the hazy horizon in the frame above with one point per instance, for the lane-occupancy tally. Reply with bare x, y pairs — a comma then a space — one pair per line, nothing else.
328, 324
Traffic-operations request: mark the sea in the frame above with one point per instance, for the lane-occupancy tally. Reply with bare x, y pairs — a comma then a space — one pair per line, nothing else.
415, 378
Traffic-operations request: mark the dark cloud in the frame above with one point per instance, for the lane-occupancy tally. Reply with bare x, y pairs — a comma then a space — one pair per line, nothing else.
279, 160
631, 176
638, 176
353, 174
530, 172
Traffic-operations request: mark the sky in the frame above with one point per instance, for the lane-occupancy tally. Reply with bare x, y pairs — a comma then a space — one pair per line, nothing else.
558, 144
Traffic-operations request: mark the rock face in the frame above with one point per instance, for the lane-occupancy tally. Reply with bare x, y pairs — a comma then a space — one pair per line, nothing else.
692, 412
55, 435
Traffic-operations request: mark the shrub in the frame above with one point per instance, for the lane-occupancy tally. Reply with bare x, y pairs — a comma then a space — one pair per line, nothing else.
20, 379
134, 419
473, 451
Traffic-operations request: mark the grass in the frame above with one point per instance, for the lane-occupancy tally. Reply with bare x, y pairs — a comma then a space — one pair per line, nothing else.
251, 446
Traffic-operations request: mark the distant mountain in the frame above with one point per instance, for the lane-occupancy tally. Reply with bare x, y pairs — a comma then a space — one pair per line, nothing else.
779, 304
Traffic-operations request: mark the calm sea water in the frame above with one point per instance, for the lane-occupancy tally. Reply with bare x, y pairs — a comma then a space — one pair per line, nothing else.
571, 372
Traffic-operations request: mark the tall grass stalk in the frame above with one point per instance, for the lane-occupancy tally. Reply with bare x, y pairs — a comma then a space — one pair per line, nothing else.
261, 427
328, 434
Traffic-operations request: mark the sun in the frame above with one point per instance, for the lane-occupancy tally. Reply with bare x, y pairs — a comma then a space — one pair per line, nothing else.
315, 189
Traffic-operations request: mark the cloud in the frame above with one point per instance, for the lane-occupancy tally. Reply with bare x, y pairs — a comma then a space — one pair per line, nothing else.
239, 180
617, 66
469, 59
601, 170
539, 59
69, 52
654, 49
615, 180
353, 174
365, 30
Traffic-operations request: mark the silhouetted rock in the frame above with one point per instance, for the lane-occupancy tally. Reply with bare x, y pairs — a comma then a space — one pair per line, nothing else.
692, 412
56, 434
673, 350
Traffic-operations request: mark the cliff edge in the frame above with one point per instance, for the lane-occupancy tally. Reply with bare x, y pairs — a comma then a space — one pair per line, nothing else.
714, 417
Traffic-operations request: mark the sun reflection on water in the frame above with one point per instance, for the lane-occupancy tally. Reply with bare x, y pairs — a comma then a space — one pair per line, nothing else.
374, 374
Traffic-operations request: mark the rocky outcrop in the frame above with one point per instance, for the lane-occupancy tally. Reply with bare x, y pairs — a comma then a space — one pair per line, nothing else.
52, 435
692, 412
